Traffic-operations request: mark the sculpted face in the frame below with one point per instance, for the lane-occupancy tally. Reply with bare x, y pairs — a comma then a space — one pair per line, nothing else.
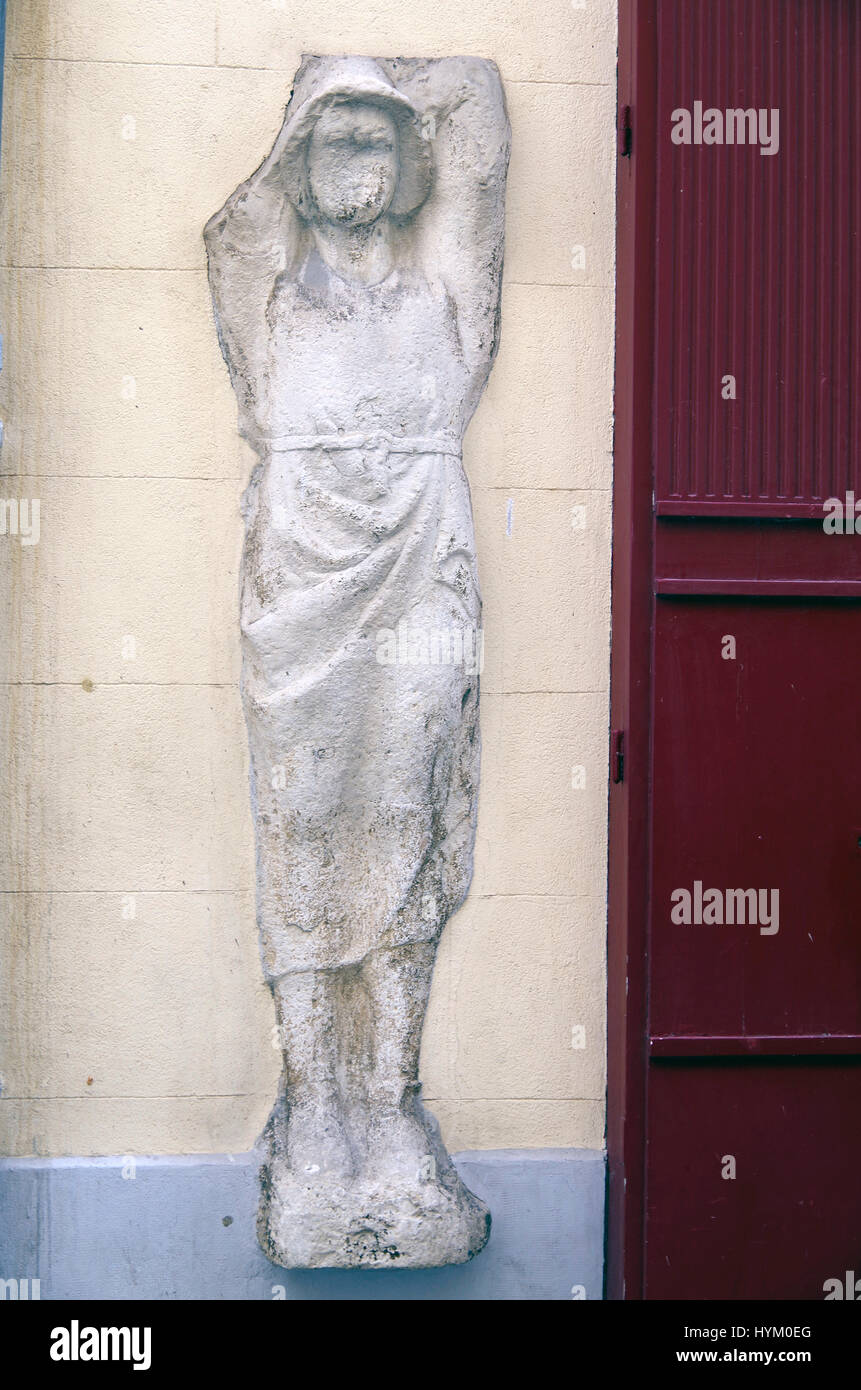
353, 164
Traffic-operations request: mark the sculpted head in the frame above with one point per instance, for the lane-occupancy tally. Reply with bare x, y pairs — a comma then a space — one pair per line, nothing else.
353, 148
352, 163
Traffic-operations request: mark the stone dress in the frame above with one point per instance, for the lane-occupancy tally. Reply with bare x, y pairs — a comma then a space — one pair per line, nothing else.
358, 518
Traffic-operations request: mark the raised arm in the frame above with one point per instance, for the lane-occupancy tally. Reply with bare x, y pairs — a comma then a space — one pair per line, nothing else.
461, 229
249, 242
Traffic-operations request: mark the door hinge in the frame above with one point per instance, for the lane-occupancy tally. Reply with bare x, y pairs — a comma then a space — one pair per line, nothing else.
617, 755
626, 131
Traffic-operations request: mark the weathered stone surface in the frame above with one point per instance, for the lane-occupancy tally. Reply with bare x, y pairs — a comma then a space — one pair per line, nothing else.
356, 283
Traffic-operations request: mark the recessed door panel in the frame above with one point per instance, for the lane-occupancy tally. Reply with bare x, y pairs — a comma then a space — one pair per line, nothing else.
757, 811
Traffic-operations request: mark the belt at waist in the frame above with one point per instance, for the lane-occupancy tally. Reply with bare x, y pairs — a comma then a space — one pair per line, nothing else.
379, 442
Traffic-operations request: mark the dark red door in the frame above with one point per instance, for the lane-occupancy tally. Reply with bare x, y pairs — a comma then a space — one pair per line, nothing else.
735, 1093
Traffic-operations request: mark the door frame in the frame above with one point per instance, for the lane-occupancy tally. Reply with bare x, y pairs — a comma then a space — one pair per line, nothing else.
631, 658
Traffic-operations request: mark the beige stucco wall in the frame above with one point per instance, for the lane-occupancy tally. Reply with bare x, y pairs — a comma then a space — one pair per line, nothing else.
132, 1013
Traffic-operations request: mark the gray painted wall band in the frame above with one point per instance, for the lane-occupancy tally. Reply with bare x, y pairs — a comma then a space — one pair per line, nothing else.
184, 1228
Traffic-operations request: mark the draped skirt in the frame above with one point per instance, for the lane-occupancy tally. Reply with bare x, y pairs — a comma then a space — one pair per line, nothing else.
361, 638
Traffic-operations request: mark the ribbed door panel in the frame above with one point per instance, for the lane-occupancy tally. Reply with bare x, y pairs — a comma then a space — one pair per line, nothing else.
759, 261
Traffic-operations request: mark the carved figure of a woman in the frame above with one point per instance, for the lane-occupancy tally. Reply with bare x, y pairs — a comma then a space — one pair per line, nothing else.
357, 304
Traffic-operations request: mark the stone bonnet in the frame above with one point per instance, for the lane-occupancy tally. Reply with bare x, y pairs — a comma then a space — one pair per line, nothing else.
327, 82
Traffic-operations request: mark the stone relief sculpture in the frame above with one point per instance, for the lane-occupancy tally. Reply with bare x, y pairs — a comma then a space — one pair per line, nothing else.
356, 284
